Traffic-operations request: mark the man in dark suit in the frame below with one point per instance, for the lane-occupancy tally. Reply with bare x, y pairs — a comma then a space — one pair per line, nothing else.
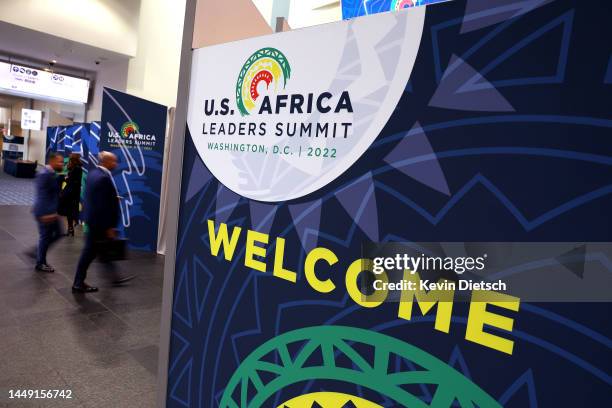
102, 216
45, 209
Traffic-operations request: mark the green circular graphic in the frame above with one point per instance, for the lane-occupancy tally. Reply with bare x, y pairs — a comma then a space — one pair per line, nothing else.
272, 55
129, 128
370, 372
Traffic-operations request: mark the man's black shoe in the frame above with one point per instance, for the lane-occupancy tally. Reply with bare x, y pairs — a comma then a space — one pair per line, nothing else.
44, 268
84, 289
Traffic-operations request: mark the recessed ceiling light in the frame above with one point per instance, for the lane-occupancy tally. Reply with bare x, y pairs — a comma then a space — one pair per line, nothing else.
54, 61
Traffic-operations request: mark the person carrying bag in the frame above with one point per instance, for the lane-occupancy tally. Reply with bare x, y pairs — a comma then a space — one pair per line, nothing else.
102, 215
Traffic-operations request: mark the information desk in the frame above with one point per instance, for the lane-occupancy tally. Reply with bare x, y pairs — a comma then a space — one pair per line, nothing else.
20, 168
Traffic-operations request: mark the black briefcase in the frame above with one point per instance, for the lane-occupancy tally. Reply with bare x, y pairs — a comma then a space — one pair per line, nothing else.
111, 250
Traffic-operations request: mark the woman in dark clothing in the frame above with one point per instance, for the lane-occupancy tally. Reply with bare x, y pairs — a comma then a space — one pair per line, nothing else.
71, 195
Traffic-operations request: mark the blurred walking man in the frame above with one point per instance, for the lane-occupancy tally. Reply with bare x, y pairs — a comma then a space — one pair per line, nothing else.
45, 210
102, 216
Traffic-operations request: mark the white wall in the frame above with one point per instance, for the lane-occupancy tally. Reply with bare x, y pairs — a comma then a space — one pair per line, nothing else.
111, 75
265, 9
153, 72
106, 24
148, 33
155, 43
218, 22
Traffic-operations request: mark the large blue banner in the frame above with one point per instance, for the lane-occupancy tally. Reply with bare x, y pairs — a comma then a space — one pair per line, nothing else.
134, 129
466, 122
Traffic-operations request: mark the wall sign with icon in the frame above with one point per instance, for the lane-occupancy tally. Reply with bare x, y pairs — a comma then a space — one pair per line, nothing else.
31, 119
30, 82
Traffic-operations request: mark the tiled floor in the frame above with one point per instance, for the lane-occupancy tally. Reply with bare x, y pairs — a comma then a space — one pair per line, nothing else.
103, 346
15, 191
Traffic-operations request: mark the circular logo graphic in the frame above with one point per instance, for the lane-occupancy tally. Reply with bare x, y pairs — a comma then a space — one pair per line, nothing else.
370, 369
129, 128
265, 70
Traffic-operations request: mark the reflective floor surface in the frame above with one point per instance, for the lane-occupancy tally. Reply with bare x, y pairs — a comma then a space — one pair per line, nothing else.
103, 347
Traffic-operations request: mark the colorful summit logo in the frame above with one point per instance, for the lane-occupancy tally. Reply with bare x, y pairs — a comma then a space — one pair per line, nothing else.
266, 69
130, 136
129, 128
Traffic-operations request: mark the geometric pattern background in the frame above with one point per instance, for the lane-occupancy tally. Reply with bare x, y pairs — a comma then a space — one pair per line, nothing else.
80, 138
502, 134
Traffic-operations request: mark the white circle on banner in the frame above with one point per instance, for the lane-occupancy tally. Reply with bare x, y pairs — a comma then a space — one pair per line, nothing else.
258, 108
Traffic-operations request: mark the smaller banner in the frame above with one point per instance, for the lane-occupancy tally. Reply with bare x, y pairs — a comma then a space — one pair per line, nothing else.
134, 129
357, 8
